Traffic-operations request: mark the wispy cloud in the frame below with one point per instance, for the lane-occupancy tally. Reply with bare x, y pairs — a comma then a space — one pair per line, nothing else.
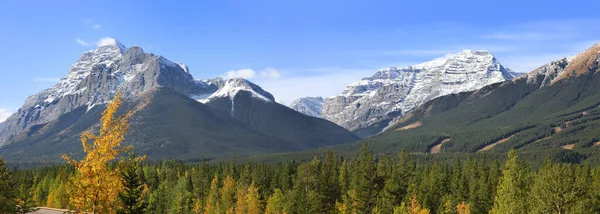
241, 73
82, 42
90, 23
528, 35
323, 81
247, 73
46, 79
4, 114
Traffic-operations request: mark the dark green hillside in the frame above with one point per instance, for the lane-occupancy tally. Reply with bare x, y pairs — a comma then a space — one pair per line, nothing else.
282, 122
164, 125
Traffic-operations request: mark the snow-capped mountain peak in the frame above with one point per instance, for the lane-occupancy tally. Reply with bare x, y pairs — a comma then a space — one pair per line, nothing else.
393, 92
232, 87
94, 79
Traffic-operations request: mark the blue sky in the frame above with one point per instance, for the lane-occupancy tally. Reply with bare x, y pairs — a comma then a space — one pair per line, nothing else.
290, 48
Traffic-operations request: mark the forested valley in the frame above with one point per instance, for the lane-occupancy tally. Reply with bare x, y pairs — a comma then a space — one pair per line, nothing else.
108, 181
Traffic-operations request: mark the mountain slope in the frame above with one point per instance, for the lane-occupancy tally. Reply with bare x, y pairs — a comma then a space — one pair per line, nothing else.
164, 124
311, 106
251, 105
371, 105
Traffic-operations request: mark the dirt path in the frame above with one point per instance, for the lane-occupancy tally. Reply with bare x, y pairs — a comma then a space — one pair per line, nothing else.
410, 126
488, 147
568, 147
436, 149
538, 140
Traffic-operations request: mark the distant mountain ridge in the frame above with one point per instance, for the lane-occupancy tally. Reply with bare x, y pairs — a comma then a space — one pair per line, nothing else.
311, 106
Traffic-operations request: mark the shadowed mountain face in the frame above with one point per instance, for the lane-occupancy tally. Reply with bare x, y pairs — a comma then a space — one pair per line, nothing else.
164, 125
169, 121
260, 111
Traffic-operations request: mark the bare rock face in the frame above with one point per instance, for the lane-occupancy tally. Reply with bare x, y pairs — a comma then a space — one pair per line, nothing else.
368, 106
96, 77
311, 106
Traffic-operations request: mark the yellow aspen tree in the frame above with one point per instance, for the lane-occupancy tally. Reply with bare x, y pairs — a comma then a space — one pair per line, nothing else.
253, 202
276, 203
240, 204
463, 208
95, 186
227, 195
212, 202
414, 207
349, 204
197, 208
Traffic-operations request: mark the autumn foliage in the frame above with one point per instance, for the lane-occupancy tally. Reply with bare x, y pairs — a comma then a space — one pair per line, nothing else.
95, 186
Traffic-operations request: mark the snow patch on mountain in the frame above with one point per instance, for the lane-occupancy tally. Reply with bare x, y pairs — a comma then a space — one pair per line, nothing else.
311, 106
234, 86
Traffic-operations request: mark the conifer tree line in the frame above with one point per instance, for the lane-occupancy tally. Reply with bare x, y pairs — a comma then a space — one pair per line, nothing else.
332, 184
103, 182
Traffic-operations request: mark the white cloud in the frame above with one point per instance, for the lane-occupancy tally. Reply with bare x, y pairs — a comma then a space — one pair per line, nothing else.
247, 73
270, 73
82, 42
4, 114
241, 73
46, 79
325, 82
96, 26
106, 41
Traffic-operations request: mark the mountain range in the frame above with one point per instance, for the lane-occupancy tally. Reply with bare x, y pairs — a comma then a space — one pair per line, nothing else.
174, 115
375, 103
550, 112
461, 103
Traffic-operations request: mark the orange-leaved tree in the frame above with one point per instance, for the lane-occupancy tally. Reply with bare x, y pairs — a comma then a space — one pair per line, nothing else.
95, 186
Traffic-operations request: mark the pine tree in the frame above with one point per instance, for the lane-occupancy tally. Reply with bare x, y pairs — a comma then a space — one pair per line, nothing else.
555, 189
96, 186
276, 203
131, 196
25, 201
7, 191
513, 188
365, 186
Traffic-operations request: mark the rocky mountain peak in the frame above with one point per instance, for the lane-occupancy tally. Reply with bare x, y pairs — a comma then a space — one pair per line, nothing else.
371, 103
95, 78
